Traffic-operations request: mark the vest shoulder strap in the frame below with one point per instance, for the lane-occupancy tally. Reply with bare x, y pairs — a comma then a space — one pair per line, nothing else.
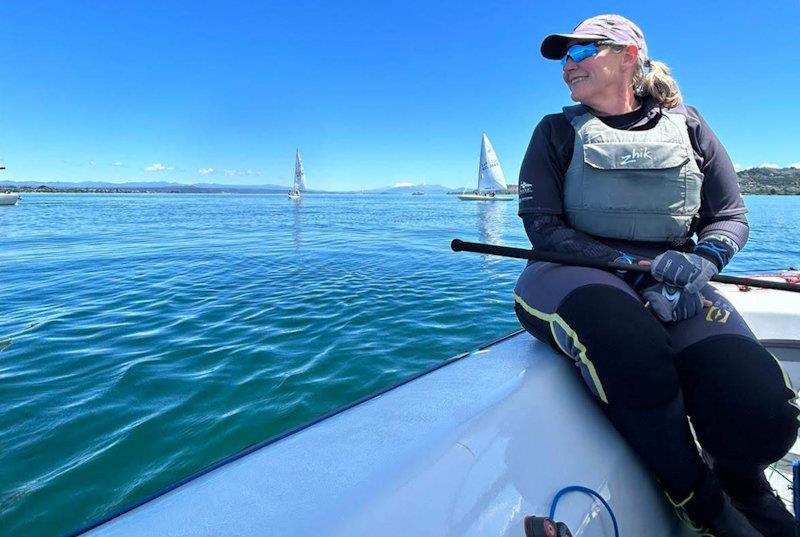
678, 110
575, 111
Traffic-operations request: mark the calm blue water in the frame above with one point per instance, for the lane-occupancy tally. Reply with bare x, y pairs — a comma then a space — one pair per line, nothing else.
143, 337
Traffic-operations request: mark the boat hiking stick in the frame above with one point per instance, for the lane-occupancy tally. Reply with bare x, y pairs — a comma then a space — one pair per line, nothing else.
566, 259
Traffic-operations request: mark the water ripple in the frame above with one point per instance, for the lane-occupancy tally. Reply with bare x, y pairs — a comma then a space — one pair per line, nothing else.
145, 337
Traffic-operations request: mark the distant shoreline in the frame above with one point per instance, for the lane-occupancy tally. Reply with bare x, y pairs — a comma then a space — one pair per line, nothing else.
190, 189
145, 191
766, 181
132, 190
108, 192
31, 191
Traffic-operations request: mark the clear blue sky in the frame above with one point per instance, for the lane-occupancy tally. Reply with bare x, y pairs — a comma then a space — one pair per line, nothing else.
373, 93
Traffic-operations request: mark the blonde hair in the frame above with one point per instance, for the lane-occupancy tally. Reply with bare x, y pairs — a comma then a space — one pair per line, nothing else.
657, 83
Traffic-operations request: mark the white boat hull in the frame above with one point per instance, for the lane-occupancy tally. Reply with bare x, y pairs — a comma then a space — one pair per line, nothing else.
485, 197
467, 449
9, 199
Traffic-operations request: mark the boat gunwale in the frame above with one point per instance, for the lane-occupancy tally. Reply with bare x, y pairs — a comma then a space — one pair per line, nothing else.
783, 344
273, 439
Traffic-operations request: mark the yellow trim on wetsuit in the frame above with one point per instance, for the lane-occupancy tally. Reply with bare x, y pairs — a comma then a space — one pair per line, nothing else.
684, 517
554, 318
679, 504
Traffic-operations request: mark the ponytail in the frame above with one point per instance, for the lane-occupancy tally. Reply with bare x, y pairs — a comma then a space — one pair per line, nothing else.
657, 83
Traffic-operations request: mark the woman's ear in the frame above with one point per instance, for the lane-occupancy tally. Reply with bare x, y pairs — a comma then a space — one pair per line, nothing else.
631, 54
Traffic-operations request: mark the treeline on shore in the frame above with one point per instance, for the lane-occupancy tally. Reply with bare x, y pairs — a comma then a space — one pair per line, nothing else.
771, 181
774, 181
122, 189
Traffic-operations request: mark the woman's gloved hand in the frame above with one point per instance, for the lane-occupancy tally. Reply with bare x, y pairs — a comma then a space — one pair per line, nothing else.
634, 279
672, 304
688, 271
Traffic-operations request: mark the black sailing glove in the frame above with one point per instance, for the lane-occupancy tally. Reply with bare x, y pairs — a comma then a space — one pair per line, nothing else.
690, 272
672, 304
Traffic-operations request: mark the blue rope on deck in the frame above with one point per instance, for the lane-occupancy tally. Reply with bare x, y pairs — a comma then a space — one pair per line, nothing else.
590, 492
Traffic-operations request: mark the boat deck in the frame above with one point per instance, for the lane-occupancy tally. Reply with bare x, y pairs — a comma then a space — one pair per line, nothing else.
467, 449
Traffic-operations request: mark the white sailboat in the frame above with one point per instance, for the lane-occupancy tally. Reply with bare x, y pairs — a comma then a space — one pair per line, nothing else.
299, 184
9, 198
490, 177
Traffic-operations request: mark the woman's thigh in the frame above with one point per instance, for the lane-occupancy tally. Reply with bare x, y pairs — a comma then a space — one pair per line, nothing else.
543, 287
595, 318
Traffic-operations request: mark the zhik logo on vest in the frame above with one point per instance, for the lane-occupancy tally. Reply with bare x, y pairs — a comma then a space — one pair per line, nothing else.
642, 152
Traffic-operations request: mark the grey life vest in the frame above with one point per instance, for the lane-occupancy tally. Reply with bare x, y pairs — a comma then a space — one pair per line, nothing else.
636, 185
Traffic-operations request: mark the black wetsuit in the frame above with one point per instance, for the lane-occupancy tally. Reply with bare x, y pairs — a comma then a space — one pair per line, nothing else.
648, 375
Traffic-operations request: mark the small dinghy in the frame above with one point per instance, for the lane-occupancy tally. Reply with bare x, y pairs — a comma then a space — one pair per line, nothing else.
299, 184
491, 179
467, 448
9, 198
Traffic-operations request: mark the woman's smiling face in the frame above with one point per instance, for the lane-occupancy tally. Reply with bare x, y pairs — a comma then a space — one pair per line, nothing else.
597, 79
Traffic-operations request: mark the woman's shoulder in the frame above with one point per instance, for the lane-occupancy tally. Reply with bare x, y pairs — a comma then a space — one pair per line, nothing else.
554, 127
689, 112
556, 120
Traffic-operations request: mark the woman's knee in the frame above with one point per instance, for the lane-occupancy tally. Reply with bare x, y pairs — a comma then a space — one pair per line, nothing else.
737, 396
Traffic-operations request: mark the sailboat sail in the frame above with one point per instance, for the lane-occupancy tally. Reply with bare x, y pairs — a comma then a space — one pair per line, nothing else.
490, 174
491, 181
299, 173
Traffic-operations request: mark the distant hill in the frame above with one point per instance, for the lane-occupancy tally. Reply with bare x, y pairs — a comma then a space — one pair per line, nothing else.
409, 188
99, 186
784, 181
778, 181
246, 188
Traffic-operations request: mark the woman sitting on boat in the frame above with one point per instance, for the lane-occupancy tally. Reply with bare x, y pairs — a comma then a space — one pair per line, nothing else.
631, 174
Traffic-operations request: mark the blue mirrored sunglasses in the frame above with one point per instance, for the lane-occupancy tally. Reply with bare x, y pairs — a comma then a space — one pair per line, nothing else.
578, 53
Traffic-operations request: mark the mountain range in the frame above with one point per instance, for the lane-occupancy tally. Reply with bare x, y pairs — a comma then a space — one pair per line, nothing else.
783, 181
164, 186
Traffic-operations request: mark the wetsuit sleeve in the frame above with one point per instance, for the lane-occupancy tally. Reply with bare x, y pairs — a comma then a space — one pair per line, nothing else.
721, 195
720, 238
548, 232
541, 188
541, 176
722, 230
